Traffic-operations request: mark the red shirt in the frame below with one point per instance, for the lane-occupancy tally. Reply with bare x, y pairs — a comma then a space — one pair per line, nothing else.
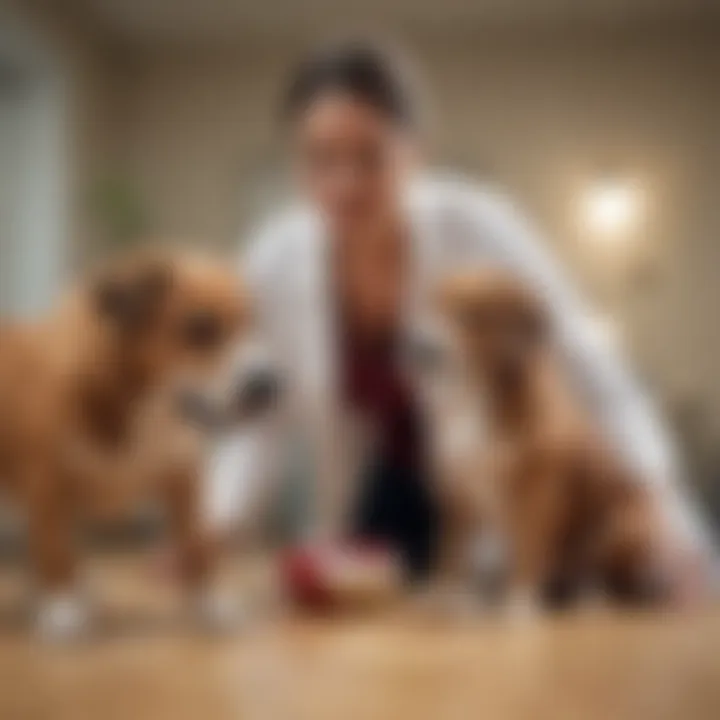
374, 386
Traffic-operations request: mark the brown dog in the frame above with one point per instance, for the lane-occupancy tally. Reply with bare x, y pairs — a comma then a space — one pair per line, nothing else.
523, 459
98, 403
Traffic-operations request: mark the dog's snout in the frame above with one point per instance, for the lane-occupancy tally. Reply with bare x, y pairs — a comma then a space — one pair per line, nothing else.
260, 390
195, 407
425, 352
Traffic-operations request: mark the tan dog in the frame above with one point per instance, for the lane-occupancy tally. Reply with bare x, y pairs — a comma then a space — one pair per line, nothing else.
98, 404
521, 458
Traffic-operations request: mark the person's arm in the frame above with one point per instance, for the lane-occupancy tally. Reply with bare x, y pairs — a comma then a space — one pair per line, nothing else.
238, 470
488, 228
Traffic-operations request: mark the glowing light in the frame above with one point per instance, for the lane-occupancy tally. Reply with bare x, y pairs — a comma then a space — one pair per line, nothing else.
611, 208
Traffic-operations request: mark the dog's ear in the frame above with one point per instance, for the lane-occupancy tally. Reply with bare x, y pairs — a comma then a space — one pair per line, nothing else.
479, 293
131, 296
449, 295
534, 317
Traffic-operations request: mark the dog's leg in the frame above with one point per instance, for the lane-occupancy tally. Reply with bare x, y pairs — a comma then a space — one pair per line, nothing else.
61, 613
196, 553
452, 580
635, 563
449, 589
534, 523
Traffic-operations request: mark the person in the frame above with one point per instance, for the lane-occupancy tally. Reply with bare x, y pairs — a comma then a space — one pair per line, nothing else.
341, 274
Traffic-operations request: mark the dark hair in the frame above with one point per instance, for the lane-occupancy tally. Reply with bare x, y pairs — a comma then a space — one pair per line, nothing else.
363, 70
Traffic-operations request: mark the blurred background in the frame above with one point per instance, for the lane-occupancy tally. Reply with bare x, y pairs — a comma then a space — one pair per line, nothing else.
123, 119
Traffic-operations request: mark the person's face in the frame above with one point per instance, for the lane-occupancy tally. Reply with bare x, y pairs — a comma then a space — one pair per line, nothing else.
351, 161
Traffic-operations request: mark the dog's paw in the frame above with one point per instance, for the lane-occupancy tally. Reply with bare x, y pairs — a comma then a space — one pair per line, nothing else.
62, 617
218, 612
523, 604
460, 604
446, 604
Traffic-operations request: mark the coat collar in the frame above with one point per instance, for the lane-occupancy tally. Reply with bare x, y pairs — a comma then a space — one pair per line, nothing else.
320, 357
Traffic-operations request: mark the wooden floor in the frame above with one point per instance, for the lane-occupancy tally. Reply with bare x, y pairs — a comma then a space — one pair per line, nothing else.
146, 664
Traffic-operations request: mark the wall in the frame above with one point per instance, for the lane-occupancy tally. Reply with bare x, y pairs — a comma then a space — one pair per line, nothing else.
84, 62
198, 132
548, 119
542, 116
192, 133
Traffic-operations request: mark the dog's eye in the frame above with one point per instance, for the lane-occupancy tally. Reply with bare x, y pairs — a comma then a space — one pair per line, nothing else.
476, 318
202, 331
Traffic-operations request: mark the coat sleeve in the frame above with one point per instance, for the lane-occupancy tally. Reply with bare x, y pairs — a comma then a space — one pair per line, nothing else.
489, 229
239, 471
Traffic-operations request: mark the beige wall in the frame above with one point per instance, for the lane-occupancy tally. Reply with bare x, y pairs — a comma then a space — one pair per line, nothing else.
548, 120
193, 131
198, 128
85, 63
544, 118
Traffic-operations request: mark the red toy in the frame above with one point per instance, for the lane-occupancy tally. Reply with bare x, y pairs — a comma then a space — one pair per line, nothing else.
322, 579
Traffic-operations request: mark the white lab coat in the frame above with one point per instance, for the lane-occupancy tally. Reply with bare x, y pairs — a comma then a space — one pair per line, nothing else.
452, 224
